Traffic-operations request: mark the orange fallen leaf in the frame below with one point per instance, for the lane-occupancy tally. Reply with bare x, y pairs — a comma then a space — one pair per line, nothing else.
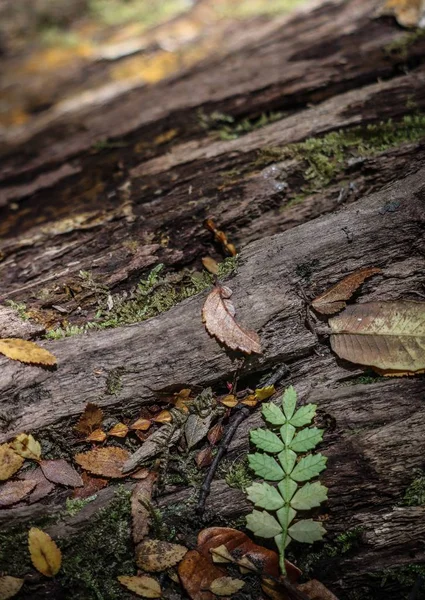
218, 315
250, 401
119, 430
25, 445
59, 471
220, 237
12, 492
210, 265
45, 555
141, 424
333, 300
26, 352
98, 435
10, 462
107, 462
9, 586
196, 573
163, 417
146, 587
90, 420
140, 502
157, 555
91, 485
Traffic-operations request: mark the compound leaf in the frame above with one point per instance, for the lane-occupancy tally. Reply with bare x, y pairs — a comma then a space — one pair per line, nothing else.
304, 415
287, 487
266, 440
286, 515
287, 459
309, 466
287, 433
309, 496
273, 414
265, 466
289, 401
306, 439
307, 531
264, 496
263, 524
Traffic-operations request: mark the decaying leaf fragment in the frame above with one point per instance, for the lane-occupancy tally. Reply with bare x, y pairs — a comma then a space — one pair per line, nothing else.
226, 586
59, 471
333, 300
42, 488
26, 352
197, 573
218, 315
143, 586
90, 420
9, 586
156, 555
210, 264
107, 462
45, 555
10, 462
409, 13
91, 485
12, 492
25, 445
387, 335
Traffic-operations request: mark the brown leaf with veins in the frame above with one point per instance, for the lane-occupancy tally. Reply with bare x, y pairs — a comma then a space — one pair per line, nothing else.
12, 492
140, 503
107, 462
226, 586
143, 586
59, 471
197, 572
204, 458
387, 335
91, 485
333, 300
218, 315
43, 486
98, 435
215, 434
90, 420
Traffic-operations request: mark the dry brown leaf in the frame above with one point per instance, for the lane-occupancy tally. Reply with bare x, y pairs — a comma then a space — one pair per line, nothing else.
59, 471
316, 590
26, 352
409, 13
12, 492
218, 315
45, 555
386, 335
204, 458
119, 430
196, 573
146, 587
226, 586
140, 507
140, 474
43, 486
220, 237
333, 300
141, 424
215, 434
107, 462
98, 435
91, 485
10, 462
9, 586
90, 420
163, 417
26, 446
156, 555
210, 265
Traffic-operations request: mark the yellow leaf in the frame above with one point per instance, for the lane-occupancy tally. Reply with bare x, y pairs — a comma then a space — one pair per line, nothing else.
250, 401
230, 401
45, 555
10, 462
143, 586
156, 555
163, 417
25, 445
141, 424
26, 352
265, 392
119, 430
9, 586
98, 435
226, 586
210, 265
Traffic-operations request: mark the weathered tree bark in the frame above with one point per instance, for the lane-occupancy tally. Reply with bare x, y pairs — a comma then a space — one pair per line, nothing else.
67, 209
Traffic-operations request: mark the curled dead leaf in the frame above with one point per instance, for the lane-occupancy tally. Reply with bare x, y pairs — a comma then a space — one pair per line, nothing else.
218, 315
9, 586
146, 587
59, 471
26, 446
10, 462
265, 392
12, 492
107, 462
215, 434
90, 420
156, 555
26, 352
45, 555
197, 572
333, 300
230, 401
316, 590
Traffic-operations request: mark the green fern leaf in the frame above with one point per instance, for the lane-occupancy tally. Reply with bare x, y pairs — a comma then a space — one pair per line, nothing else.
263, 524
265, 466
289, 401
310, 466
264, 496
306, 439
307, 531
304, 415
266, 440
309, 496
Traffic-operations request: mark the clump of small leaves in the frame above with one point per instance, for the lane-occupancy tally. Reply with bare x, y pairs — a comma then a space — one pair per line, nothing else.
286, 437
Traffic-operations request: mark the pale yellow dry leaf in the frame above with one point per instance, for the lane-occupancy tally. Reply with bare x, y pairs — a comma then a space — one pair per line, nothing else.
26, 352
226, 586
210, 265
45, 555
107, 462
10, 462
156, 555
25, 445
221, 554
163, 417
218, 314
9, 586
143, 586
119, 430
